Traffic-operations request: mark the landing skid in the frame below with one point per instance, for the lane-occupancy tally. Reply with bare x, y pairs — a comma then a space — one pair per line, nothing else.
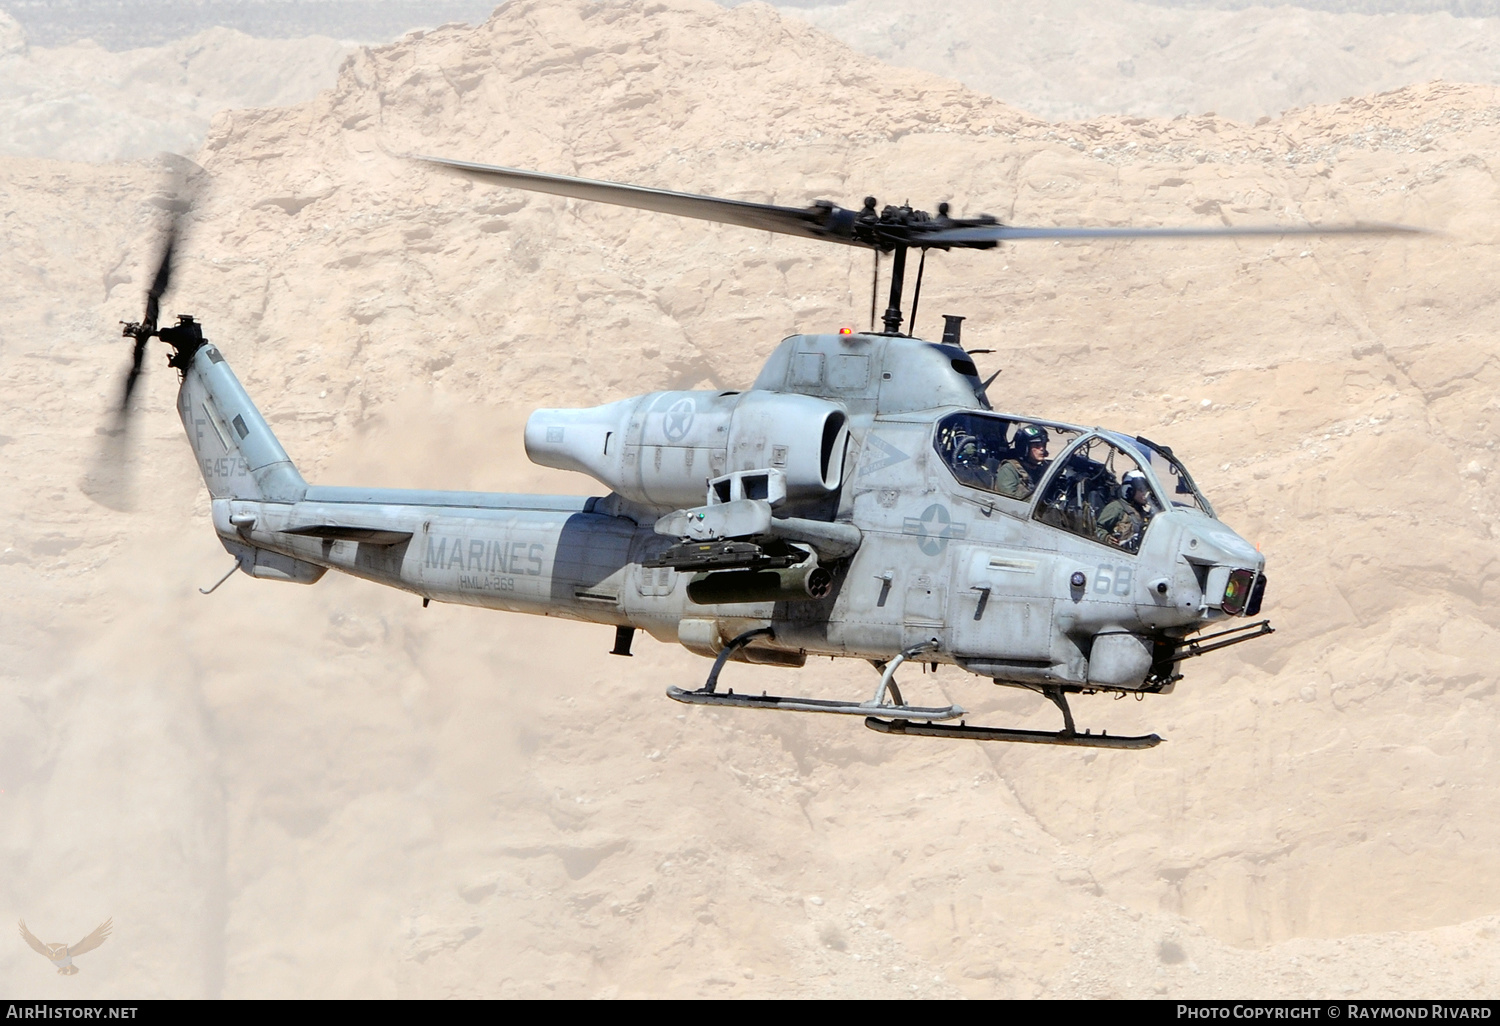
1067, 736
900, 718
963, 731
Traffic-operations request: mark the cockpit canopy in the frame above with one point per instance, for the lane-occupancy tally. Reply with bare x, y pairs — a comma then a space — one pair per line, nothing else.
1169, 471
1097, 484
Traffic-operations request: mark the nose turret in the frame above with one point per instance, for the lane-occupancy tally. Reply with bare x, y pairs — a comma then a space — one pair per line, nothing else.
1230, 570
1197, 571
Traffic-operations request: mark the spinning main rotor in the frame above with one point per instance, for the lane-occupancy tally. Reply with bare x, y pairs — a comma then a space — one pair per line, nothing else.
886, 230
890, 229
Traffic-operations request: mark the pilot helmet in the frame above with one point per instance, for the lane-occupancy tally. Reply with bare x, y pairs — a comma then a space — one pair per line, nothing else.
1029, 436
1130, 482
966, 448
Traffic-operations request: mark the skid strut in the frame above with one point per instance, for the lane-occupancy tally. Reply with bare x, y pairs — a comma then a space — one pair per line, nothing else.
877, 706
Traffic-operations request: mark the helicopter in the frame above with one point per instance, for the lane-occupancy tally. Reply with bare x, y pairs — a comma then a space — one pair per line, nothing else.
861, 499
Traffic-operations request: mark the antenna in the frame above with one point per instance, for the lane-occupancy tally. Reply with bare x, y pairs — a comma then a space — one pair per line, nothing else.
916, 296
953, 326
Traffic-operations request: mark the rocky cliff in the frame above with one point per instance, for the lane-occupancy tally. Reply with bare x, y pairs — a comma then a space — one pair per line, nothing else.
331, 791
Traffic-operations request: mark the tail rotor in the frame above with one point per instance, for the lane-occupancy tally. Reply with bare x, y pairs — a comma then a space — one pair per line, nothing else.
143, 330
108, 479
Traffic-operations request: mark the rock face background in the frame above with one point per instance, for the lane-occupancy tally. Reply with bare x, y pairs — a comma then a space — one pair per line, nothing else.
123, 79
331, 791
1245, 61
82, 102
127, 24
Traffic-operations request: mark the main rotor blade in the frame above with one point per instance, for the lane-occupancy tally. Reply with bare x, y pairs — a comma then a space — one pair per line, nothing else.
821, 221
889, 229
1009, 233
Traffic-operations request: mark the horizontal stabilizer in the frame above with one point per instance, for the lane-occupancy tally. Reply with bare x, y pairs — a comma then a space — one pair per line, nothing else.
340, 532
467, 500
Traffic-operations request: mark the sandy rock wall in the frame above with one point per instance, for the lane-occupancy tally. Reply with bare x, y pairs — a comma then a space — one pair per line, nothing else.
82, 102
129, 24
458, 802
1090, 57
106, 96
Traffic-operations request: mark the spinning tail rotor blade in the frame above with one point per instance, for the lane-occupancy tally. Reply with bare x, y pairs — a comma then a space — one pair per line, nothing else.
163, 276
137, 358
1011, 233
107, 480
820, 221
177, 200
147, 327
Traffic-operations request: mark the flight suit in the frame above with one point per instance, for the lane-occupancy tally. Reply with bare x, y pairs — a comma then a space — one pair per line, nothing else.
1016, 480
1121, 524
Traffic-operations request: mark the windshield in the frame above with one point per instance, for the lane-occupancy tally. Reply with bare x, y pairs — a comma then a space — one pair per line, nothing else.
1181, 491
1099, 493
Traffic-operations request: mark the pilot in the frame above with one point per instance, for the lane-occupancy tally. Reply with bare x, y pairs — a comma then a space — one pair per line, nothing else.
1019, 475
1124, 520
971, 461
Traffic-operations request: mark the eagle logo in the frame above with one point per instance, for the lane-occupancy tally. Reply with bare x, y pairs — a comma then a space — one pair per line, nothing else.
61, 955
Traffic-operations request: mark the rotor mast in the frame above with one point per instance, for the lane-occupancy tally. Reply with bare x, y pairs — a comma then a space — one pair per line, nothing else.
892, 316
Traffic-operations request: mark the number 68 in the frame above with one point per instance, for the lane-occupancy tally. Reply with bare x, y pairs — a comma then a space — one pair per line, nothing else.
1114, 579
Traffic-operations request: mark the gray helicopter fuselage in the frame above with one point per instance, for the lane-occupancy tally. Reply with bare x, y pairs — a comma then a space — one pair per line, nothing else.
859, 432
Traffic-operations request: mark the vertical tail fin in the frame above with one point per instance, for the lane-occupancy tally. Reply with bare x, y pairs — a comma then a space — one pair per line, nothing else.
237, 453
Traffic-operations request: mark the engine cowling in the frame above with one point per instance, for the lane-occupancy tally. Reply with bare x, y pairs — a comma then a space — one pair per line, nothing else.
662, 449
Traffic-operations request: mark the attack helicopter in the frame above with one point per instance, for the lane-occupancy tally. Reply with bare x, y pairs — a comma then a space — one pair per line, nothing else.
860, 499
